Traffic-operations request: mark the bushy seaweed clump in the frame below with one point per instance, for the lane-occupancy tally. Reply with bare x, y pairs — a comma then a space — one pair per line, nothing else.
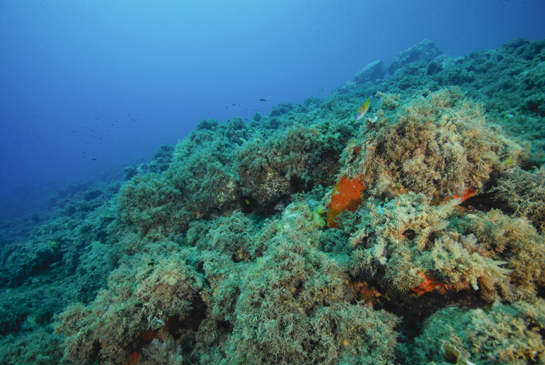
524, 192
295, 305
407, 241
436, 144
500, 334
513, 241
267, 170
142, 295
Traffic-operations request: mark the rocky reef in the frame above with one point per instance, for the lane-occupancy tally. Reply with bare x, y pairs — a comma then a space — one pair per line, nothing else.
411, 236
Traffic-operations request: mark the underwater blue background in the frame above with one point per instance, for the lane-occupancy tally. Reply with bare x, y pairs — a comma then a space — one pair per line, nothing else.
87, 85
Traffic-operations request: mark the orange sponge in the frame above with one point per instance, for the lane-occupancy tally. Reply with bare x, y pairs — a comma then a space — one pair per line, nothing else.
346, 196
467, 194
429, 284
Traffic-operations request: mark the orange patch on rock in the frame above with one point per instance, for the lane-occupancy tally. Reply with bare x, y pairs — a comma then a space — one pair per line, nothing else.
368, 293
467, 194
346, 196
357, 151
149, 335
134, 358
429, 284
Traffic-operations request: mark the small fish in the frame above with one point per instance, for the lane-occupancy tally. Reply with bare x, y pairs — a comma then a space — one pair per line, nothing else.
363, 109
69, 247
233, 104
262, 100
329, 104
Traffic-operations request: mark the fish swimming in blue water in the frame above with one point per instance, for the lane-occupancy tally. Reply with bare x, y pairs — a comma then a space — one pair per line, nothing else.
363, 109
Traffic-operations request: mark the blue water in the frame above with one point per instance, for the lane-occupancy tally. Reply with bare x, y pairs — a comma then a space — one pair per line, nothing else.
85, 86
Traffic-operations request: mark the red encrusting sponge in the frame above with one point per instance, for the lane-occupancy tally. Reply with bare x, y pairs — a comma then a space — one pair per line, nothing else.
346, 196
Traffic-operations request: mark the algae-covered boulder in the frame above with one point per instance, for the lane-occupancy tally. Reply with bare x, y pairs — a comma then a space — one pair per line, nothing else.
438, 144
501, 334
406, 244
424, 51
161, 159
513, 241
371, 72
295, 305
142, 296
374, 71
270, 171
524, 192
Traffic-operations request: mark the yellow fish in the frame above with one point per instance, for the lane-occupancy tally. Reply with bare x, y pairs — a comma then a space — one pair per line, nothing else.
363, 109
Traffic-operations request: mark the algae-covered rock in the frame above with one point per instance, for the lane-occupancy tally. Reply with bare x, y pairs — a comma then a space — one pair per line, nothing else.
39, 347
141, 297
270, 171
513, 241
524, 191
295, 305
406, 244
437, 144
501, 334
424, 51
161, 159
371, 72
